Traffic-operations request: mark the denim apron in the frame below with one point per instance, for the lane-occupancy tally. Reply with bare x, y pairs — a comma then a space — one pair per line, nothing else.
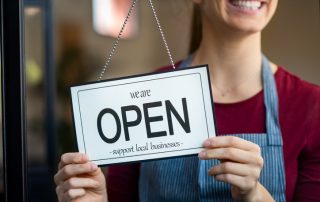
186, 178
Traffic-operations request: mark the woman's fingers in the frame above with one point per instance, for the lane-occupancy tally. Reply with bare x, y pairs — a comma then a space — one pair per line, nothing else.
231, 141
76, 182
79, 179
240, 162
72, 170
242, 183
235, 169
70, 194
75, 187
232, 154
73, 194
72, 158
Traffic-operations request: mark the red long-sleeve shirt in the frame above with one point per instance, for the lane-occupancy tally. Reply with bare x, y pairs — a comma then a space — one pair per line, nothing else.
299, 111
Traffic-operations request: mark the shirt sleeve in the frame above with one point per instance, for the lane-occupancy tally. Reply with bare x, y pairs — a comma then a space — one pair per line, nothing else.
308, 183
122, 183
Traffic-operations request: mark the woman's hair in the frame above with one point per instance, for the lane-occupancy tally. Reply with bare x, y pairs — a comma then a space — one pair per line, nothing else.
196, 29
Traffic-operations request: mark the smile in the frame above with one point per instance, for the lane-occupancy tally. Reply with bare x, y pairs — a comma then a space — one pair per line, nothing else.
247, 4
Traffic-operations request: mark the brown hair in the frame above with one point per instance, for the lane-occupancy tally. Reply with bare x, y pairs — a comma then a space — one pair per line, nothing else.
196, 29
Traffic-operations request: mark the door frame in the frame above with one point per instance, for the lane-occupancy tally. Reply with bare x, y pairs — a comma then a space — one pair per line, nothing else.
13, 101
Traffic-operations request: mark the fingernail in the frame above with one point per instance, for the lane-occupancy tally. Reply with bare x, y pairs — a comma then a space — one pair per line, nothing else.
202, 154
207, 143
93, 166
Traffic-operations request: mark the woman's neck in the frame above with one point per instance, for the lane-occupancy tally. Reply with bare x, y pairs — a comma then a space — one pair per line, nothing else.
234, 63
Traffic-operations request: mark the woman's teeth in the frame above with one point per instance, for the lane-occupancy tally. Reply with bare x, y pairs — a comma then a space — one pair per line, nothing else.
250, 5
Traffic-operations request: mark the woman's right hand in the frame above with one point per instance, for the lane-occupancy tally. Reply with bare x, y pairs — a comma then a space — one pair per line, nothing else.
79, 179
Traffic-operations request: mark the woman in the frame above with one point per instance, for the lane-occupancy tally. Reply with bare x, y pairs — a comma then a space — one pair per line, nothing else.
268, 146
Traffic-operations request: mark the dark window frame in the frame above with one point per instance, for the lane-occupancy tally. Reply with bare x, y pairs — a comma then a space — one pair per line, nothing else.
13, 101
13, 96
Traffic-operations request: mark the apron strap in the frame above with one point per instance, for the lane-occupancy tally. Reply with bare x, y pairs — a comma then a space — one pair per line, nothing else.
187, 62
271, 103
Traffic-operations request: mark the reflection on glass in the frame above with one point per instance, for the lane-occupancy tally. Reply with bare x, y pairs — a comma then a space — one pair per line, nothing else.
34, 64
109, 15
32, 11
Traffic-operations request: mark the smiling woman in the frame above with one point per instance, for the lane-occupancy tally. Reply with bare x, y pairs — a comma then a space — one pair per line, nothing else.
267, 148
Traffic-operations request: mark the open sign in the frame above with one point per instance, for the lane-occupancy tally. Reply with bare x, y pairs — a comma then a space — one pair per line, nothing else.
144, 117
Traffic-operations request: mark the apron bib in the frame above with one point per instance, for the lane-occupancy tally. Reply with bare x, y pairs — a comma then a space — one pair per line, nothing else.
186, 178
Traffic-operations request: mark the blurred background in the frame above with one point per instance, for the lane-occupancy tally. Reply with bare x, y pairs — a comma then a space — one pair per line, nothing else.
67, 42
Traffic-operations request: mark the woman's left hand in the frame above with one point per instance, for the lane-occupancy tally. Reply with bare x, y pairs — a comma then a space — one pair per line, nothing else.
241, 164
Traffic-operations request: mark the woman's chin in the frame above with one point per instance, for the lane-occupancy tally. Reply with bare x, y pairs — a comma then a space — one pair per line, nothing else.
247, 19
246, 27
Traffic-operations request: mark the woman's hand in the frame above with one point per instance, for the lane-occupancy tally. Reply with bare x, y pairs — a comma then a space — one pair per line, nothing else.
240, 166
79, 180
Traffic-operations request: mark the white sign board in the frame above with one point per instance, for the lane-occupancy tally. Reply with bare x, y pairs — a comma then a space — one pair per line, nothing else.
144, 117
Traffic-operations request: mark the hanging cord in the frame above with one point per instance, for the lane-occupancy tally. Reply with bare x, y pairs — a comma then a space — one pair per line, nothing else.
116, 41
162, 34
121, 31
